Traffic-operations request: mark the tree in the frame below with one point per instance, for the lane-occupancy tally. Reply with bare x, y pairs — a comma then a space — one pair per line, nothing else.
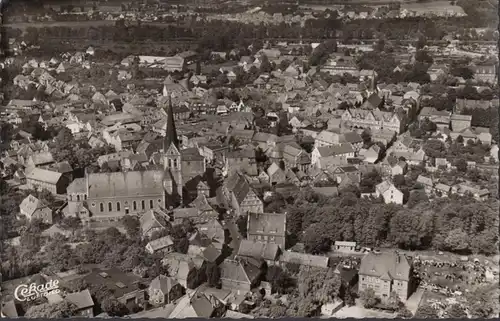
461, 165
423, 56
198, 68
369, 298
426, 311
314, 241
71, 223
131, 224
265, 65
457, 240
241, 222
63, 309
280, 280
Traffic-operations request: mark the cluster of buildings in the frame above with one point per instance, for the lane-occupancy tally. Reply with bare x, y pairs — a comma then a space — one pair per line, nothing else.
184, 153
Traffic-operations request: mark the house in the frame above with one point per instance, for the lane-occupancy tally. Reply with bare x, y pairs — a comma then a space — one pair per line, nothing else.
399, 168
39, 179
240, 275
268, 252
152, 221
441, 118
267, 227
33, 208
323, 157
83, 302
485, 72
374, 119
243, 160
343, 246
194, 305
174, 63
295, 157
345, 175
164, 290
241, 196
186, 270
126, 287
426, 183
370, 155
9, 309
389, 192
326, 138
386, 273
460, 122
163, 244
276, 174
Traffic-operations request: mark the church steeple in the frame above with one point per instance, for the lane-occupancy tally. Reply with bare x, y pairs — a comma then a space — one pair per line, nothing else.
171, 132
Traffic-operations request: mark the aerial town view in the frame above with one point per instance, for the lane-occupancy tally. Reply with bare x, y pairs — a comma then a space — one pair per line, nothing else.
249, 159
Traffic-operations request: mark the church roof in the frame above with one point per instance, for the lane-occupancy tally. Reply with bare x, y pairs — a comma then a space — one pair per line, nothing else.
171, 132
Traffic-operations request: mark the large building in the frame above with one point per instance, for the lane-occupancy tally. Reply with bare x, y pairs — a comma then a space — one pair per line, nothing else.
113, 195
386, 273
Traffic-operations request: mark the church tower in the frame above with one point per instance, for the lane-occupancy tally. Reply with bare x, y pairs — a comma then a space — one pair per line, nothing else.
172, 158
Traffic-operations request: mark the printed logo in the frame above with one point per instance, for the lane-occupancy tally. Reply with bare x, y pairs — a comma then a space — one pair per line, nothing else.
32, 292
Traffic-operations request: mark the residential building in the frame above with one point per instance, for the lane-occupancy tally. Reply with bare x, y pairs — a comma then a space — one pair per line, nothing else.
389, 193
267, 227
39, 179
153, 221
486, 73
241, 196
460, 122
83, 302
374, 119
268, 252
164, 290
162, 244
33, 208
386, 273
126, 287
240, 275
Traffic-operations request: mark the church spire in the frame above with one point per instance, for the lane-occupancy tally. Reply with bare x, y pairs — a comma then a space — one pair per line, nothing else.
171, 132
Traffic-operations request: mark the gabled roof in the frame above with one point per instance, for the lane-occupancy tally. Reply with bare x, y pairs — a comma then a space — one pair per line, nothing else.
43, 175
163, 283
258, 250
241, 271
81, 300
161, 243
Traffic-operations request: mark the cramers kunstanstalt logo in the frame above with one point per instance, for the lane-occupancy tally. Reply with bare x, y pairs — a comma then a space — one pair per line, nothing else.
33, 291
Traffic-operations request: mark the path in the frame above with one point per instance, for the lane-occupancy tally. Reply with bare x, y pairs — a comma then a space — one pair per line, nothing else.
414, 300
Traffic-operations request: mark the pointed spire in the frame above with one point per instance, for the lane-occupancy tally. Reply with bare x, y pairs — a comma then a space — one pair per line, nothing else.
171, 132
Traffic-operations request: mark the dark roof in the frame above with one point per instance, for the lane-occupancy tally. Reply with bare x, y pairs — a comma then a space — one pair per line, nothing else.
114, 279
171, 132
258, 250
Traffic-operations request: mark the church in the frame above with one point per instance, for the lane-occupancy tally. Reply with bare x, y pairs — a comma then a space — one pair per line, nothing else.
110, 196
184, 168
